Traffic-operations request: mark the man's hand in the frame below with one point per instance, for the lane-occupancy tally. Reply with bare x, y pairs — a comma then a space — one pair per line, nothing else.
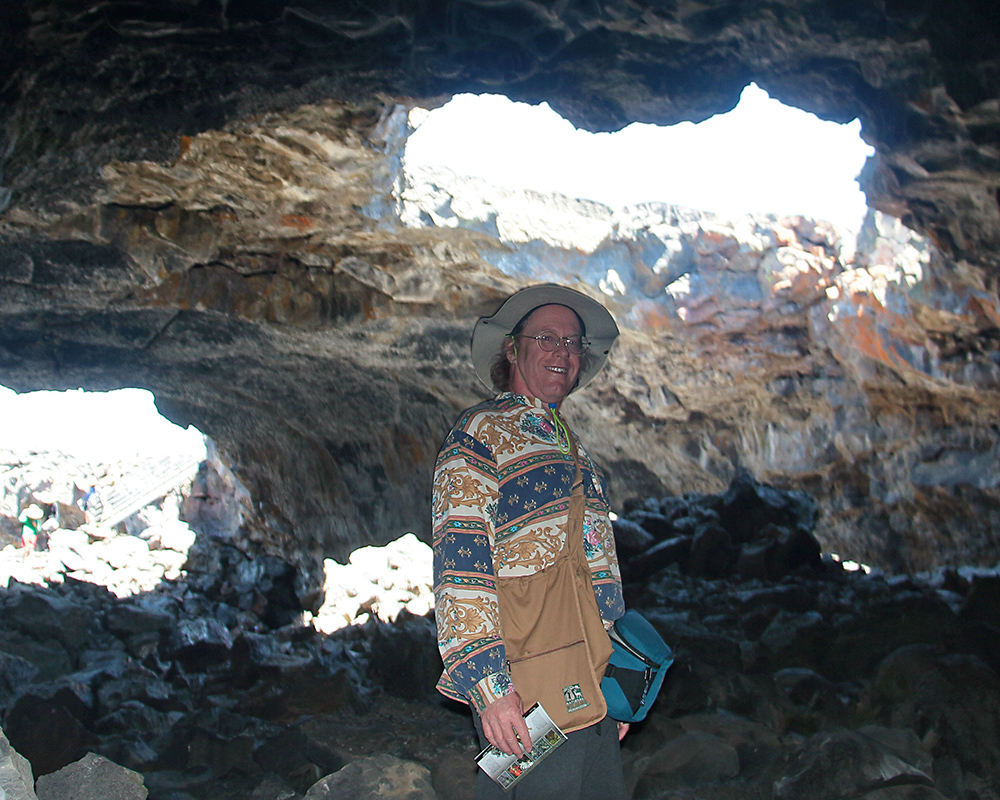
504, 725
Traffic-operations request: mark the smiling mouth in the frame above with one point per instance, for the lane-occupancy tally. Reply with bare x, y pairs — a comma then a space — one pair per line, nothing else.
560, 370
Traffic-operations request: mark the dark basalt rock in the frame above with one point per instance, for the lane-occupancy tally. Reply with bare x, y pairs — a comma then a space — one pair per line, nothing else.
200, 643
816, 683
382, 775
819, 772
747, 506
93, 777
631, 538
745, 537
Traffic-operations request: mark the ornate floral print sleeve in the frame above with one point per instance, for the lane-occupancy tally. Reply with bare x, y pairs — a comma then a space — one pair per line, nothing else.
500, 504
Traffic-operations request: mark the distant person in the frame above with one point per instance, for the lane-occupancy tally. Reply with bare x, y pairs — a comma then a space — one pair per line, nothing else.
31, 521
91, 505
524, 549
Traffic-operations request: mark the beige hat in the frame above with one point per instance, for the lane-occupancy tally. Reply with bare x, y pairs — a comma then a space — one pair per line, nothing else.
489, 332
33, 512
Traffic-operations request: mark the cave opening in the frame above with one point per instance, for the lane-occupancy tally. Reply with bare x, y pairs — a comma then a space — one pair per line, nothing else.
140, 502
73, 460
761, 157
83, 423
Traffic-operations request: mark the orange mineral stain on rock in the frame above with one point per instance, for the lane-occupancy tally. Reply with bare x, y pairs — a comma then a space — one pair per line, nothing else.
653, 317
298, 222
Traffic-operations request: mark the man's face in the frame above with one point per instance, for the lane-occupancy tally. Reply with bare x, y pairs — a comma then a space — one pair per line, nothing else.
535, 373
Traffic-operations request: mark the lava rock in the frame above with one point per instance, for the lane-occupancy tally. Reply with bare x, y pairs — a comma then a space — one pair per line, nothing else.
382, 776
748, 506
16, 781
200, 643
840, 763
93, 777
631, 538
692, 759
660, 556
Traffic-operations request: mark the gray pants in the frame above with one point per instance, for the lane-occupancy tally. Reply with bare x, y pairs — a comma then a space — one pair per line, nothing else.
588, 766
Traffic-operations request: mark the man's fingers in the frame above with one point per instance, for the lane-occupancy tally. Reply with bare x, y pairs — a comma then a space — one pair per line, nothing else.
505, 727
521, 733
510, 735
504, 737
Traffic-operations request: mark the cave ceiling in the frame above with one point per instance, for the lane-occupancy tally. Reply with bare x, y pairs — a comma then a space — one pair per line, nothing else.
207, 199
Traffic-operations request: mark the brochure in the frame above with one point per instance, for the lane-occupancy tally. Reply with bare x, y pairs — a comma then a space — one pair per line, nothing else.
506, 769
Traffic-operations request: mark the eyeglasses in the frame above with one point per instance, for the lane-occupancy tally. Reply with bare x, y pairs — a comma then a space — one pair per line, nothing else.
549, 342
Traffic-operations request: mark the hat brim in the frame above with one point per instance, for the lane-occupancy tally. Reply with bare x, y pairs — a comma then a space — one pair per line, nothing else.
489, 332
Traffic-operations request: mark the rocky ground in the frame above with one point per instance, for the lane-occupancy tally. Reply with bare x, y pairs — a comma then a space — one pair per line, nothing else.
794, 677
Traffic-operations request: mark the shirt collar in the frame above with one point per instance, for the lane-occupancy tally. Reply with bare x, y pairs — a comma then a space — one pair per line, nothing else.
534, 402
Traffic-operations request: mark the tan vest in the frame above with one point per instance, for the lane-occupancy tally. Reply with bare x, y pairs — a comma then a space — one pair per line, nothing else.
556, 643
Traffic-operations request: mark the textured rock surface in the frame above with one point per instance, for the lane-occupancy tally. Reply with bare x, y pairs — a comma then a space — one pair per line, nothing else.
377, 776
207, 200
16, 781
93, 777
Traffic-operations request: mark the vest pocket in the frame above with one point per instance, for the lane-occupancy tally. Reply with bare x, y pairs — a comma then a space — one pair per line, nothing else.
564, 682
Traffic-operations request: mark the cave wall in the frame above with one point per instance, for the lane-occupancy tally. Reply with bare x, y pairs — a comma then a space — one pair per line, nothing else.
842, 366
206, 200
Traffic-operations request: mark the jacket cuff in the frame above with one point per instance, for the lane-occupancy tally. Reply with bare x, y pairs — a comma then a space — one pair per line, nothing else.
492, 687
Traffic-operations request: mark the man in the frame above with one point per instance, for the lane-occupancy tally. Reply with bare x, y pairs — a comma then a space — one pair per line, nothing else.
504, 489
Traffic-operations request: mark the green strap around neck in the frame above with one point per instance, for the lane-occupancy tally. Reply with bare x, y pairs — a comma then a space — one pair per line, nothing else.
562, 432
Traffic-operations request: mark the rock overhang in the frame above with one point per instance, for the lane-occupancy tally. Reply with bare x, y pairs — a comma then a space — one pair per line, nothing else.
205, 201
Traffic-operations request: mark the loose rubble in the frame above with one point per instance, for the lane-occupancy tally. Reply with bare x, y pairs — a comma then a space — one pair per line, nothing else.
126, 672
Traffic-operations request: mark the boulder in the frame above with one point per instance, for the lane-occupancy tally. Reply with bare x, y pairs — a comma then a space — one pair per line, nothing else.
748, 506
93, 777
757, 746
379, 776
837, 764
47, 732
16, 673
692, 759
916, 682
43, 617
405, 660
905, 793
69, 517
660, 556
657, 525
631, 537
200, 643
453, 774
712, 553
141, 614
296, 758
16, 781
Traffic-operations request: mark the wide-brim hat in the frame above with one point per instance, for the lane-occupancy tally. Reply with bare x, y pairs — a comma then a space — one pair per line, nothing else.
489, 332
33, 512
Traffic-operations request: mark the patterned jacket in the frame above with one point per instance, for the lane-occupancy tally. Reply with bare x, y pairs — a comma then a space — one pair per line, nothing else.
501, 500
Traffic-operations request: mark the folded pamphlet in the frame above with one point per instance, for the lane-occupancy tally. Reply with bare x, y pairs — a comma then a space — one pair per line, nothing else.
506, 769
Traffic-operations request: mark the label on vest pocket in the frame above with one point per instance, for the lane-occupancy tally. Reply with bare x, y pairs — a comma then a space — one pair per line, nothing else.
575, 701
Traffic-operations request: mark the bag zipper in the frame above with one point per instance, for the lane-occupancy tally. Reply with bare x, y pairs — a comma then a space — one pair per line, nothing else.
526, 656
651, 666
631, 650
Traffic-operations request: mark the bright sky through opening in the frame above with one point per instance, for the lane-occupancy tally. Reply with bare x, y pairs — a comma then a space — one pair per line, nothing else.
762, 156
91, 425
